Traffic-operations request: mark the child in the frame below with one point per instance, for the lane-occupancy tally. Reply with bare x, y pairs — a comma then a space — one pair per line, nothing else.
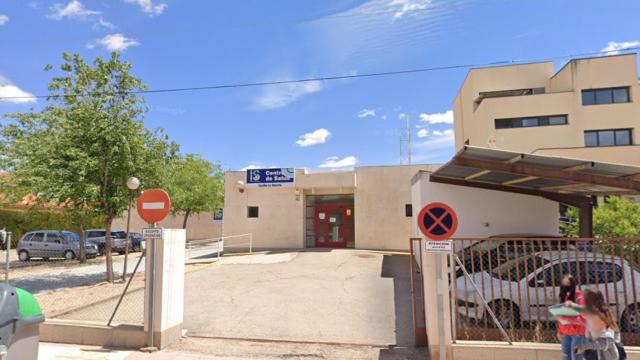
571, 329
602, 331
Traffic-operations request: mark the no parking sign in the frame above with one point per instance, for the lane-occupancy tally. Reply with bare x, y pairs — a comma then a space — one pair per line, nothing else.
438, 222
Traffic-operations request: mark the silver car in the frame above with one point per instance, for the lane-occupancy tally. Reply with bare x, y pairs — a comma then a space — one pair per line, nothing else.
521, 290
118, 240
48, 244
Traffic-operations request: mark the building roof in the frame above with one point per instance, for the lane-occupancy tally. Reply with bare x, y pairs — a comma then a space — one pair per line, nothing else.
566, 180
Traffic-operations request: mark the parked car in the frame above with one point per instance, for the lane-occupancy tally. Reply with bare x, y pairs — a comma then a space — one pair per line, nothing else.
118, 240
136, 241
521, 290
48, 244
487, 254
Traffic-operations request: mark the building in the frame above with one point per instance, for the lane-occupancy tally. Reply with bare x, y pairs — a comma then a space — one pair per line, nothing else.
589, 109
369, 207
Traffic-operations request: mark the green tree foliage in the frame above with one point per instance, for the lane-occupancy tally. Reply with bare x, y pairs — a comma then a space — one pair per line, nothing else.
616, 218
195, 185
81, 148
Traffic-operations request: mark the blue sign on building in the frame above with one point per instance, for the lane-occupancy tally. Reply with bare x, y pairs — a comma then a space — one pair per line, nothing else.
283, 177
218, 214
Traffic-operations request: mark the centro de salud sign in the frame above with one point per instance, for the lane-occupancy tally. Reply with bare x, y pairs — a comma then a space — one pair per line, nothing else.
270, 178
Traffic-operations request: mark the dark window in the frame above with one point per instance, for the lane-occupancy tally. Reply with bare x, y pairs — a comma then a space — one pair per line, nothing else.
531, 121
252, 211
55, 238
37, 237
605, 96
615, 137
95, 234
408, 210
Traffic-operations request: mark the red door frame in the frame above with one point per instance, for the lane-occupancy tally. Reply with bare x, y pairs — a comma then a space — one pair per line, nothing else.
345, 226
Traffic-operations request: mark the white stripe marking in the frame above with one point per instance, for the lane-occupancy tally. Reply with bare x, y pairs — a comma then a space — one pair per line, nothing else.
153, 205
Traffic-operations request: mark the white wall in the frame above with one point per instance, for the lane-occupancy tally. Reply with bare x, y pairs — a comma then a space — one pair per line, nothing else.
505, 213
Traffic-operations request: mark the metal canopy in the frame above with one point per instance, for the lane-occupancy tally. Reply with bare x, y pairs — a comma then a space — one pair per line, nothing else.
565, 180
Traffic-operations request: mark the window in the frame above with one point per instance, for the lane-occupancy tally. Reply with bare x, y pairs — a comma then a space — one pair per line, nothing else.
531, 121
95, 234
252, 211
55, 238
37, 237
408, 210
605, 96
614, 137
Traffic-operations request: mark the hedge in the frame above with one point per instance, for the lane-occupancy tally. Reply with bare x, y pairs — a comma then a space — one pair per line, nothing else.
21, 221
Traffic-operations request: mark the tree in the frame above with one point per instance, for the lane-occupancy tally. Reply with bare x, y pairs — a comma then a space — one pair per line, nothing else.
615, 218
81, 148
195, 185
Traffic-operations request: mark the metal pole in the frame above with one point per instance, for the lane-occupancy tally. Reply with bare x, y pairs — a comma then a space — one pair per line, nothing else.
126, 240
219, 241
440, 306
484, 302
135, 269
250, 243
152, 279
452, 291
7, 239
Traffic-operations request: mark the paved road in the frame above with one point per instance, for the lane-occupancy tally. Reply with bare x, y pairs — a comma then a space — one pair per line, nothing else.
339, 296
60, 274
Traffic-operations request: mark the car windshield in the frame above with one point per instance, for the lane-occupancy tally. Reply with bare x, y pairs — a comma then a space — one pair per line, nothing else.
71, 236
477, 248
118, 234
518, 269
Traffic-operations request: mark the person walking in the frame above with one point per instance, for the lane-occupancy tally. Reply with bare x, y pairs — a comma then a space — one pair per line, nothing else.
602, 332
571, 329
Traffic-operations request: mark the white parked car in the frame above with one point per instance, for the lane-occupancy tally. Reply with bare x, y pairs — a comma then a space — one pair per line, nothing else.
521, 290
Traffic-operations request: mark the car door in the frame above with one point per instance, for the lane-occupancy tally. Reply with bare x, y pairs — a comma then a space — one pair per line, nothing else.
544, 288
54, 244
35, 245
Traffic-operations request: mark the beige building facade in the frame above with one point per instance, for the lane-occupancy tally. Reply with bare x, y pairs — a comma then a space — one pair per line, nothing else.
364, 208
589, 109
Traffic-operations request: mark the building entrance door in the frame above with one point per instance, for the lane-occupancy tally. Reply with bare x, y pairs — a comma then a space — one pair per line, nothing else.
333, 225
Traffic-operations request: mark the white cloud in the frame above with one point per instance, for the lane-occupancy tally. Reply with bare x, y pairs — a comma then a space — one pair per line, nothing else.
316, 137
335, 162
402, 116
102, 23
447, 132
12, 94
422, 133
73, 10
3, 19
148, 7
438, 118
277, 96
366, 113
614, 48
404, 7
114, 42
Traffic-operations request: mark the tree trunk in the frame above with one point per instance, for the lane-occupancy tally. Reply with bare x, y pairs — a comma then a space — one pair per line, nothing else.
82, 256
107, 247
186, 218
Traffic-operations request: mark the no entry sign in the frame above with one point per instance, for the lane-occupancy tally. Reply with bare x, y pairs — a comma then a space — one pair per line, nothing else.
153, 205
437, 221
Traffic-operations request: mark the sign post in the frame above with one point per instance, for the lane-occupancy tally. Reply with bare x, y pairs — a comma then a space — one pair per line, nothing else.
438, 222
153, 206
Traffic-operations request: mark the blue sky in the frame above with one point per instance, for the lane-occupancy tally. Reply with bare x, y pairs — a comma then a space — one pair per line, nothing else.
317, 125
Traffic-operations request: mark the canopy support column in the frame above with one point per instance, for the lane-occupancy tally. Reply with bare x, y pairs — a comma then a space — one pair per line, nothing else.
586, 220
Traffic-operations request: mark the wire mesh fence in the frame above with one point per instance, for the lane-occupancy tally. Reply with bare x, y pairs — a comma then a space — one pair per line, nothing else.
46, 263
519, 279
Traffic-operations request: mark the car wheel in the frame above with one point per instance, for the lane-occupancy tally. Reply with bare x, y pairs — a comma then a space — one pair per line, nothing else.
507, 314
630, 320
121, 252
23, 255
45, 258
69, 255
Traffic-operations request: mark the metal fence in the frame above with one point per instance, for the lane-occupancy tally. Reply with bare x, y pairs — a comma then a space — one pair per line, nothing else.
518, 279
213, 249
68, 289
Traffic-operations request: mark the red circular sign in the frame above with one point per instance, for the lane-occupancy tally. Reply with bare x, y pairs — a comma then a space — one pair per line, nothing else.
437, 221
153, 205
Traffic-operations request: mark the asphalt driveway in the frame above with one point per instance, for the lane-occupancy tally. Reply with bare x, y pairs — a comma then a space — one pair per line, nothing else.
333, 296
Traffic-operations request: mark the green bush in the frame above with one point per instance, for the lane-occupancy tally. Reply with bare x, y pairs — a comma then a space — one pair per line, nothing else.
21, 221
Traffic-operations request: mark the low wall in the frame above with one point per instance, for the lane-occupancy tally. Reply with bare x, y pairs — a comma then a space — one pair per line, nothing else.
485, 350
79, 333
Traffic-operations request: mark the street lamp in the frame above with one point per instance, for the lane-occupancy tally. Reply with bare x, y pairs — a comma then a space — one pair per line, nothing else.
133, 183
